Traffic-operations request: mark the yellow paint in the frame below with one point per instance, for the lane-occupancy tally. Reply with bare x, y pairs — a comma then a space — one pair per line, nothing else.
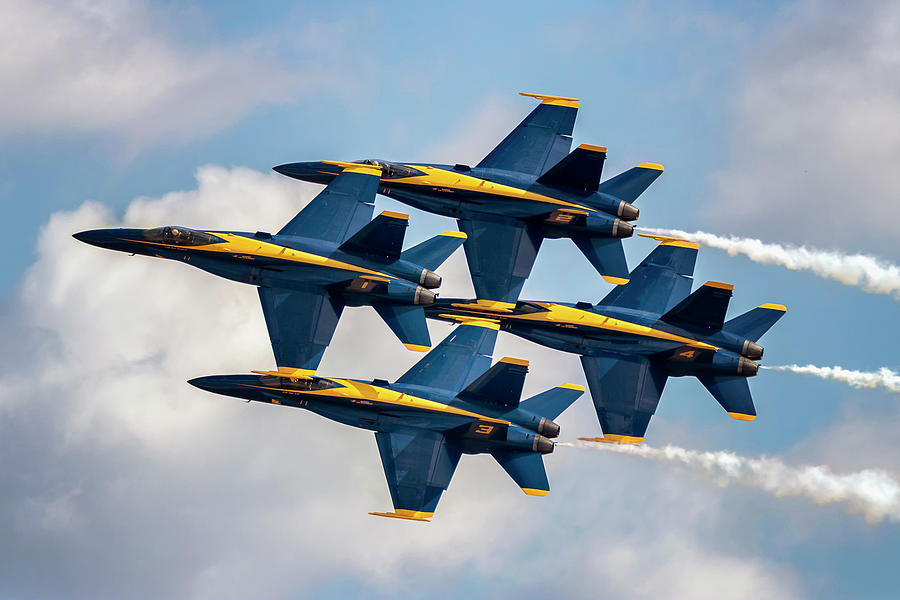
553, 100
613, 438
349, 167
456, 234
591, 148
653, 166
472, 321
534, 492
780, 307
394, 215
615, 280
671, 241
409, 515
490, 305
289, 372
254, 248
514, 361
572, 386
355, 391
719, 285
417, 347
454, 181
741, 417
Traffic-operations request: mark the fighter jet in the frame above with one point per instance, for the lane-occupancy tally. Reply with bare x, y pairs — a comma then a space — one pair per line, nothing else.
641, 334
452, 402
330, 255
530, 187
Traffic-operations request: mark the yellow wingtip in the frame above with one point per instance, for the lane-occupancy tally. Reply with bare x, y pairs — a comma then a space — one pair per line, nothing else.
456, 234
654, 166
572, 386
408, 515
771, 306
535, 492
668, 240
553, 100
615, 280
417, 347
741, 416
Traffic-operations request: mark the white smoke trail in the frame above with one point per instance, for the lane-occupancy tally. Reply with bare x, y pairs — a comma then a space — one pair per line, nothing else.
870, 273
873, 493
883, 377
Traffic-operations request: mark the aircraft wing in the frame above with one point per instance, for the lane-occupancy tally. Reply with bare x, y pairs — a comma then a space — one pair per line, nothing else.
500, 253
540, 141
418, 467
300, 323
626, 392
458, 360
661, 281
340, 210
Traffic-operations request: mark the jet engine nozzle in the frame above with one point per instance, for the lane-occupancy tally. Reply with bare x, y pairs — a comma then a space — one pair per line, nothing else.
542, 445
747, 367
424, 297
752, 350
627, 211
548, 428
621, 229
430, 279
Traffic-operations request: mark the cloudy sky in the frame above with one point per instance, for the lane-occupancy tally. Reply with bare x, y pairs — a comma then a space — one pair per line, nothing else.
777, 120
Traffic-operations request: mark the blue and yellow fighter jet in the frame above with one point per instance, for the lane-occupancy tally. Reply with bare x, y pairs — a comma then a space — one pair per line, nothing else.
530, 187
330, 255
641, 334
452, 402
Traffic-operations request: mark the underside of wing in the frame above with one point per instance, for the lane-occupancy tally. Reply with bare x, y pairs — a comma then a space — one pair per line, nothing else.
661, 281
340, 210
455, 363
626, 392
500, 254
418, 467
300, 323
540, 141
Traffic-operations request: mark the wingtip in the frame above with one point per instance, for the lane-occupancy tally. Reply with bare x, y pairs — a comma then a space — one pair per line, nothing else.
553, 100
572, 386
535, 492
668, 240
741, 416
417, 347
407, 515
455, 234
770, 306
615, 280
654, 166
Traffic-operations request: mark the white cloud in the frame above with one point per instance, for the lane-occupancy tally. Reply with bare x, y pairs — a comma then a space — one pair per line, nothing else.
120, 471
119, 67
815, 138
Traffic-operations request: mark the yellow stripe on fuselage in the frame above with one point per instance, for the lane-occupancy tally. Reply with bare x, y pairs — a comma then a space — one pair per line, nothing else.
238, 244
356, 391
563, 315
457, 182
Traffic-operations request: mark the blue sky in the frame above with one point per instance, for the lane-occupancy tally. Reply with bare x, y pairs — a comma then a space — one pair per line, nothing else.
772, 119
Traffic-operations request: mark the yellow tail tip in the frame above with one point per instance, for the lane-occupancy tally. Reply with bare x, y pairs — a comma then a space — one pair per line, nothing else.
553, 100
572, 386
615, 280
417, 347
514, 361
771, 306
654, 166
409, 515
741, 416
534, 492
456, 234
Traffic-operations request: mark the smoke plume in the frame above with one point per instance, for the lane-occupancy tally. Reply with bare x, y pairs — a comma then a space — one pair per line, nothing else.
871, 273
883, 377
873, 493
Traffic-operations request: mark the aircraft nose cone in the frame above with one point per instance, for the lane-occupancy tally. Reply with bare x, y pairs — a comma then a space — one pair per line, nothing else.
211, 383
104, 238
306, 171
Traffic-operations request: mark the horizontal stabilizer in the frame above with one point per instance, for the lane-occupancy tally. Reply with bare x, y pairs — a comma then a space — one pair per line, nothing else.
460, 358
381, 238
526, 469
542, 139
733, 393
553, 402
432, 253
500, 385
753, 324
660, 282
606, 255
408, 323
704, 309
581, 169
629, 185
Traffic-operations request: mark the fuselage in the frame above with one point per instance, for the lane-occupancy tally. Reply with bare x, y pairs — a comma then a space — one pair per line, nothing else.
384, 407
267, 260
469, 193
601, 330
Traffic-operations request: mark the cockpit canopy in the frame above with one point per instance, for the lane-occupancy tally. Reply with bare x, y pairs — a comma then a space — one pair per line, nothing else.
180, 236
391, 170
312, 384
